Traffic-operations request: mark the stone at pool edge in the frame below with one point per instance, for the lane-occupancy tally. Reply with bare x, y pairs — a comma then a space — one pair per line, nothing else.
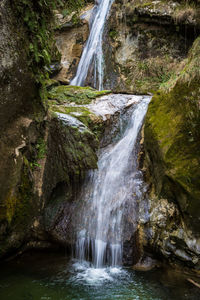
146, 264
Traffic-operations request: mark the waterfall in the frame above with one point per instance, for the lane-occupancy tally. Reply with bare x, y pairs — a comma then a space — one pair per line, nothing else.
93, 49
108, 192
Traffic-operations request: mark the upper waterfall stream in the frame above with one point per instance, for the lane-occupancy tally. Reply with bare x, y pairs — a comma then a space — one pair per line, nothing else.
110, 194
93, 52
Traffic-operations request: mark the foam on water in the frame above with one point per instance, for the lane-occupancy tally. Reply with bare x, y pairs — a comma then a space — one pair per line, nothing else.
86, 273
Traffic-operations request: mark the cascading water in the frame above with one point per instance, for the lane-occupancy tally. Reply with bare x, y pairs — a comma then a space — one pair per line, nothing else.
110, 194
108, 191
93, 50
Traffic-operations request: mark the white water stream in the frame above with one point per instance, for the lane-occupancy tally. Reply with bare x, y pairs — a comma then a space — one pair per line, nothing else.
93, 52
110, 196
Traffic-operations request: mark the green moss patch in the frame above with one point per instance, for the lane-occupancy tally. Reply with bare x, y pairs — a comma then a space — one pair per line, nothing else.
75, 94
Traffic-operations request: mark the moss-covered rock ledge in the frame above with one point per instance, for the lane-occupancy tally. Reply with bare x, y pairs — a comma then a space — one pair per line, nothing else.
74, 127
172, 145
74, 101
74, 94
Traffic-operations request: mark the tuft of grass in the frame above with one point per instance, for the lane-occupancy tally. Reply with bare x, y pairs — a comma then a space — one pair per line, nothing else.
187, 12
151, 73
188, 70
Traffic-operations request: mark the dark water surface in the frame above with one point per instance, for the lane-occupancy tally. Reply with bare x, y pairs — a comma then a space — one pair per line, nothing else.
52, 276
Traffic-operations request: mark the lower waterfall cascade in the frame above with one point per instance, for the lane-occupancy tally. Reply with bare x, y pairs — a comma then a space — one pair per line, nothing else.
110, 195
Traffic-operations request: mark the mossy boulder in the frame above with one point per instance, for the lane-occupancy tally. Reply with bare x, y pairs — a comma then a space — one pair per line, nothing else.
78, 128
172, 140
71, 152
73, 139
73, 100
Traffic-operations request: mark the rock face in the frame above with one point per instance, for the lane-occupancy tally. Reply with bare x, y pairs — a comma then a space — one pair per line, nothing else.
145, 42
16, 84
171, 141
18, 129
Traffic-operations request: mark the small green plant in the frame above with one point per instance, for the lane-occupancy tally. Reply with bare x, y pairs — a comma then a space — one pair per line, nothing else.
65, 12
35, 164
113, 34
37, 17
41, 148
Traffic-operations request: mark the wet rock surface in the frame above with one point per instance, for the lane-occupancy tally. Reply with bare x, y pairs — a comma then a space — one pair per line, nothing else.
167, 235
19, 132
145, 264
